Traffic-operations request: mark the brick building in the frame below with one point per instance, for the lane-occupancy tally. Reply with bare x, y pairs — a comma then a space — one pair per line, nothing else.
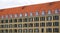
39, 18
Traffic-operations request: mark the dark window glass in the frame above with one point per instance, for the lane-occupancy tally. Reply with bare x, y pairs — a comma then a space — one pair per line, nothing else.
6, 31
24, 25
55, 17
30, 24
10, 30
36, 30
42, 30
30, 30
25, 20
15, 30
25, 30
20, 25
2, 21
15, 20
20, 30
36, 19
49, 30
42, 24
10, 26
49, 18
42, 18
19, 20
15, 25
10, 21
6, 26
6, 21
49, 24
36, 24
55, 29
30, 19
55, 23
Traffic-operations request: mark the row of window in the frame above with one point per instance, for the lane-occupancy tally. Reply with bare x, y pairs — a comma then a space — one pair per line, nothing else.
31, 14
49, 18
48, 24
31, 30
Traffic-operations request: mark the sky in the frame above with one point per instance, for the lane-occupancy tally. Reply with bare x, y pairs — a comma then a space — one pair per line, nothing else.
17, 3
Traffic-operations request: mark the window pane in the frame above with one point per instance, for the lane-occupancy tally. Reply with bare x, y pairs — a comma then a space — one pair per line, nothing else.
25, 20
42, 18
36, 19
19, 25
49, 18
55, 29
55, 17
30, 19
30, 30
49, 24
6, 21
49, 30
10, 21
36, 24
19, 20
15, 20
25, 25
36, 30
55, 23
42, 24
20, 30
42, 30
30, 24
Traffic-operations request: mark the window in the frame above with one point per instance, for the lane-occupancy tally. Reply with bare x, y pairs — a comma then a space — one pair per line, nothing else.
43, 12
25, 30
57, 11
25, 20
15, 30
6, 31
10, 31
2, 21
55, 29
30, 30
2, 17
42, 18
19, 25
15, 20
49, 18
19, 20
36, 30
26, 14
49, 11
15, 25
36, 24
6, 21
10, 21
10, 16
49, 24
30, 19
20, 15
48, 29
42, 30
55, 17
10, 25
20, 30
55, 23
37, 13
42, 24
24, 25
6, 26
6, 16
30, 24
16, 15
31, 14
36, 19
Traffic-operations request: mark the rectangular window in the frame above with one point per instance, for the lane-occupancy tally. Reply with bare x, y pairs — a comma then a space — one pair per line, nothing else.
49, 24
20, 30
30, 19
25, 20
42, 30
48, 29
15, 25
55, 23
10, 26
55, 29
19, 20
10, 31
30, 24
36, 30
36, 18
25, 25
15, 20
25, 30
42, 24
42, 18
30, 30
2, 21
6, 21
10, 21
55, 17
19, 25
49, 18
36, 24
15, 30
